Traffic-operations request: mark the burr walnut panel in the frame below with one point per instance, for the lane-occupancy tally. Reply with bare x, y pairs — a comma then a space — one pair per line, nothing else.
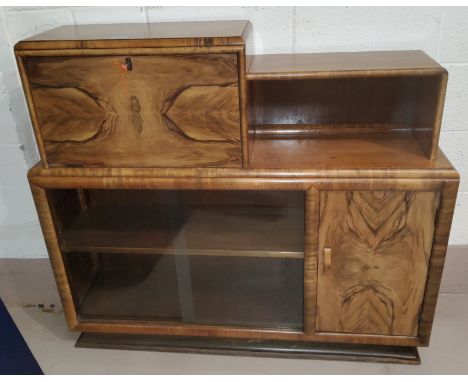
171, 110
374, 250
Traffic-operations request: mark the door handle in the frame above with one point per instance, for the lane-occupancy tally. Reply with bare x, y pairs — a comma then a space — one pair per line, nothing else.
327, 259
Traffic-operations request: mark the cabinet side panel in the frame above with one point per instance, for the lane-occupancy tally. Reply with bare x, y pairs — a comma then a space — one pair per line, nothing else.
310, 258
374, 251
427, 113
243, 107
55, 254
436, 265
32, 110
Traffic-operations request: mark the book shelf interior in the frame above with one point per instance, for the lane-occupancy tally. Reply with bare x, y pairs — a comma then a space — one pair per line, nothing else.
234, 291
228, 223
210, 257
379, 115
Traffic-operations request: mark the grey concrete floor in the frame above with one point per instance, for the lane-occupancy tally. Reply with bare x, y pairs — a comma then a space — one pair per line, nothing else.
53, 345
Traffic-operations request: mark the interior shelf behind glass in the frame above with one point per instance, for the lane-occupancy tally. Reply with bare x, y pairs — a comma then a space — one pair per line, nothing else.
226, 223
216, 290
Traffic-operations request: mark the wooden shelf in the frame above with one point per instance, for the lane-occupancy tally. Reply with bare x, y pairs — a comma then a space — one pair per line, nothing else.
387, 150
329, 65
207, 231
224, 291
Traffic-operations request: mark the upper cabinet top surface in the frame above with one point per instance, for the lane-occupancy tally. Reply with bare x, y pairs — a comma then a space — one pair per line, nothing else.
176, 34
271, 66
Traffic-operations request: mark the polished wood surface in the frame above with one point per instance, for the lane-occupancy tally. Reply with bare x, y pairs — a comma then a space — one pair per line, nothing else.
443, 224
329, 104
284, 66
346, 102
127, 181
427, 117
49, 231
139, 177
374, 250
185, 111
91, 112
348, 151
193, 33
311, 232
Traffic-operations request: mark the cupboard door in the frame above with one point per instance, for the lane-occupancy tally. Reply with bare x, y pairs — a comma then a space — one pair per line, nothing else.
374, 251
179, 110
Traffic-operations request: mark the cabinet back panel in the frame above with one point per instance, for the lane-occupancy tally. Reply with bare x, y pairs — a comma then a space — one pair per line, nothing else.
167, 111
255, 223
344, 103
139, 198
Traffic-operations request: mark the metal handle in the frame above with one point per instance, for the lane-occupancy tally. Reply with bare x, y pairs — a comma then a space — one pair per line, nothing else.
327, 259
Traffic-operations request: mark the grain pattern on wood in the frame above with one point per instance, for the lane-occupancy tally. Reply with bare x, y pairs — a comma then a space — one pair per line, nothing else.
243, 109
427, 116
212, 120
148, 327
167, 34
312, 108
436, 265
142, 179
358, 121
363, 64
380, 244
32, 111
49, 231
358, 151
337, 101
91, 111
302, 92
439, 168
312, 200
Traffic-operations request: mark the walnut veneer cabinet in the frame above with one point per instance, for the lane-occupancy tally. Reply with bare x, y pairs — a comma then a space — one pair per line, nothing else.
196, 197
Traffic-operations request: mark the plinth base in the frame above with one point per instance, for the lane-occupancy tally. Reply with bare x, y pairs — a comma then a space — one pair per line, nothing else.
258, 348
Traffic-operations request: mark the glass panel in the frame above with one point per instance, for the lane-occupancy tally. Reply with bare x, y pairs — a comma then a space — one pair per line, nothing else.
211, 257
218, 290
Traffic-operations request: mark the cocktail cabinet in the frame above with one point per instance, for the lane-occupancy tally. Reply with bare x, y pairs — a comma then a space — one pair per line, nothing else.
196, 197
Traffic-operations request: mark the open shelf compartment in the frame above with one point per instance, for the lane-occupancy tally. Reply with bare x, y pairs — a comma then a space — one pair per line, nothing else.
334, 95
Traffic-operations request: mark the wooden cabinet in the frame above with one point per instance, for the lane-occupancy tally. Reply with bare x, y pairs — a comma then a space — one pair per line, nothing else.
194, 196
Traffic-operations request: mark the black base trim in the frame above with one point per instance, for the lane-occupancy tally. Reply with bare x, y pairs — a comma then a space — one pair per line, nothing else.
258, 348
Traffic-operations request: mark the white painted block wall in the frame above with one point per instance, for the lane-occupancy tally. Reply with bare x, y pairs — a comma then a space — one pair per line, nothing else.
441, 32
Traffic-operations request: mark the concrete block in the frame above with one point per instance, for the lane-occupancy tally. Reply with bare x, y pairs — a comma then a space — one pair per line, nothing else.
456, 99
340, 29
453, 39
